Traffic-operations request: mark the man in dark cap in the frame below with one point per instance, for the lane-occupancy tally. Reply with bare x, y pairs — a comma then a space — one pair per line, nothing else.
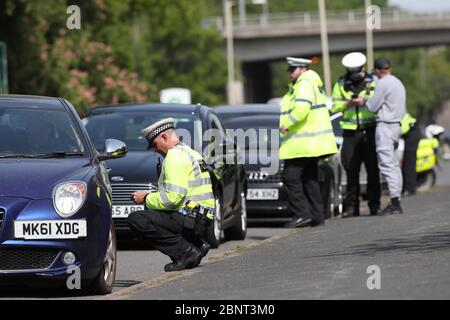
389, 102
184, 192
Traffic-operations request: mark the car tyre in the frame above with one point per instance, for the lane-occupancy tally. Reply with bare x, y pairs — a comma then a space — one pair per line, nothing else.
104, 282
214, 232
239, 230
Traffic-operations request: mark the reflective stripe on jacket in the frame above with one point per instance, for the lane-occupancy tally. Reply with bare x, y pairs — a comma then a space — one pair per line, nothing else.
181, 180
351, 119
305, 115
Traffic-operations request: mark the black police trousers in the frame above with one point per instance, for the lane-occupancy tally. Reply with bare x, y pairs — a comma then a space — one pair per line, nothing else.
163, 230
359, 147
301, 180
412, 139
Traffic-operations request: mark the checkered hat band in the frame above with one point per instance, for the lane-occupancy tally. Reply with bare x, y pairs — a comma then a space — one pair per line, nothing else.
154, 133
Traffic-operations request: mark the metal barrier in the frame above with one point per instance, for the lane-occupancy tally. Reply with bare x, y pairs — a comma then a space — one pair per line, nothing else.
311, 20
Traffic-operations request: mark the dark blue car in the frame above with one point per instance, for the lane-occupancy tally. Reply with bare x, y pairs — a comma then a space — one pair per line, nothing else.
55, 197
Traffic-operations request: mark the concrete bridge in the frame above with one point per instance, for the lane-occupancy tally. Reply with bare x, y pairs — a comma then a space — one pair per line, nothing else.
260, 40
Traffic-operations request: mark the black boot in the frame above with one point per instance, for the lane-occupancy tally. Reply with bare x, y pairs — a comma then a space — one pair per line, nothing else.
299, 222
190, 256
204, 248
351, 212
393, 208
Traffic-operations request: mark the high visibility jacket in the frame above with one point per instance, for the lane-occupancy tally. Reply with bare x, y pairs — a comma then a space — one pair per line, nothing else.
182, 179
354, 118
407, 123
305, 115
426, 154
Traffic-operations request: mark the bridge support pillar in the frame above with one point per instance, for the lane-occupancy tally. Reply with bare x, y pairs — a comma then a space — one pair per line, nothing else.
257, 81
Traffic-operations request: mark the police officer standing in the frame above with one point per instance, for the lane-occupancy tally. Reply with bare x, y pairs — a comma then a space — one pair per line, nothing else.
389, 102
411, 135
306, 135
168, 221
358, 125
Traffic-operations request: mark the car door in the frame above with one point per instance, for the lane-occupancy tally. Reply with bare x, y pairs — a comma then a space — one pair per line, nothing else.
224, 155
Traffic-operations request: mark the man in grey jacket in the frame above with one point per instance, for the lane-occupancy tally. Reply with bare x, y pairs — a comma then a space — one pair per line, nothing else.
389, 102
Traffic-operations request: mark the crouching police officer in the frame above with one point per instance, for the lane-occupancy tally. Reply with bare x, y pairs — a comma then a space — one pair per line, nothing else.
178, 214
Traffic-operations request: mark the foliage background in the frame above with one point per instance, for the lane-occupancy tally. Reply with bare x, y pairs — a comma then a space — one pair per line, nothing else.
128, 50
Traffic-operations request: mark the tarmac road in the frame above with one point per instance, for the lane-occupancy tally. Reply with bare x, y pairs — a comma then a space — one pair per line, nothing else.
412, 251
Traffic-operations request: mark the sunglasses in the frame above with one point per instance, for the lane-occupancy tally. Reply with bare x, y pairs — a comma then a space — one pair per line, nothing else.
292, 69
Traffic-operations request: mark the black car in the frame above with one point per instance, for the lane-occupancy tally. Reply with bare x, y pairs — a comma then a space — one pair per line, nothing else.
266, 195
140, 169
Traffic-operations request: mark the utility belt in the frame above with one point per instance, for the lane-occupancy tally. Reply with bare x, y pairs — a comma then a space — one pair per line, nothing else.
197, 219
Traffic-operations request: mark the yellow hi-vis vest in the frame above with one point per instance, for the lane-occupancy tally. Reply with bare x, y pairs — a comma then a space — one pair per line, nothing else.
426, 155
407, 123
305, 115
182, 179
352, 120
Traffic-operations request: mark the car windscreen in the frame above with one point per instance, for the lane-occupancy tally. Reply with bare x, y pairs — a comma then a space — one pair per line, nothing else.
38, 131
127, 126
256, 131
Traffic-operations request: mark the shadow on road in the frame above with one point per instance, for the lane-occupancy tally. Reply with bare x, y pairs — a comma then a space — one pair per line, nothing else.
125, 283
412, 244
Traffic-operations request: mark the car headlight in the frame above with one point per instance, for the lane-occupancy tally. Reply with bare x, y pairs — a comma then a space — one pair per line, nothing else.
68, 198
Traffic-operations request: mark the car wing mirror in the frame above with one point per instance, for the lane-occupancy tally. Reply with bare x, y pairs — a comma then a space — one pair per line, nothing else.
114, 149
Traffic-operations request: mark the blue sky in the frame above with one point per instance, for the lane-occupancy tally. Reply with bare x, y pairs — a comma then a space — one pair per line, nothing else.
422, 5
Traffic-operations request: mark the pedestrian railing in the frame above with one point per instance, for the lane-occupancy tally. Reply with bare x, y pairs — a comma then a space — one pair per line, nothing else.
311, 20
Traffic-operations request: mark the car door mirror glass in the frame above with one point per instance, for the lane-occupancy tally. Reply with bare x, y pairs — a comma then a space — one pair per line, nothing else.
114, 149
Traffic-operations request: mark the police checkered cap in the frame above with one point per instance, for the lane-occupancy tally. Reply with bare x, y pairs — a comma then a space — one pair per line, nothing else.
157, 128
298, 62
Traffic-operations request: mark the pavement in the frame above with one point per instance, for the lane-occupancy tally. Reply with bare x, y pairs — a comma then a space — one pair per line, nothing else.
410, 251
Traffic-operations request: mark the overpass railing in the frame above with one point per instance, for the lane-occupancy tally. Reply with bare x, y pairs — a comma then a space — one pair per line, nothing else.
312, 20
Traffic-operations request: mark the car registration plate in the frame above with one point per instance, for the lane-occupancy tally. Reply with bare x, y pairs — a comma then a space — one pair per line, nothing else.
50, 229
124, 211
262, 194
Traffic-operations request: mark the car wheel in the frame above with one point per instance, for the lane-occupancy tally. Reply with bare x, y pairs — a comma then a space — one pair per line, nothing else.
239, 230
213, 235
104, 282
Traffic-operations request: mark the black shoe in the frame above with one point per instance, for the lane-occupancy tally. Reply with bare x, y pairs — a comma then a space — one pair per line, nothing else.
408, 194
299, 223
317, 224
375, 211
391, 209
350, 213
190, 256
204, 248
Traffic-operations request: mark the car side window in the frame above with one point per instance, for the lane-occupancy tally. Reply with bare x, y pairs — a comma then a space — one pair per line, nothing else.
216, 124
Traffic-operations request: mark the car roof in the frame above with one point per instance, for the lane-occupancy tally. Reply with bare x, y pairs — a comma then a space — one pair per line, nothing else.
244, 109
133, 107
30, 101
251, 121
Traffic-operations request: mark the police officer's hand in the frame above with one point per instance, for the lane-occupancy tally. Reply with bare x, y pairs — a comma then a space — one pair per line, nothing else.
138, 197
283, 130
360, 101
